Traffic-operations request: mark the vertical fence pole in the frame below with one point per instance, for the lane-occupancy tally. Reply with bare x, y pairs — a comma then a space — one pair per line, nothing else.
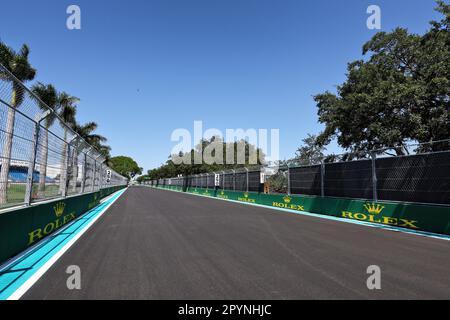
74, 164
322, 179
66, 173
32, 163
93, 176
83, 174
373, 155
288, 180
234, 180
101, 176
246, 177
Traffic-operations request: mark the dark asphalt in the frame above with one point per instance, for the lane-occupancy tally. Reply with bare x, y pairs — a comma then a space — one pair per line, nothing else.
156, 244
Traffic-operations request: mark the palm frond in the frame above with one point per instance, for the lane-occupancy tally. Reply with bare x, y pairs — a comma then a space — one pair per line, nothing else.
49, 96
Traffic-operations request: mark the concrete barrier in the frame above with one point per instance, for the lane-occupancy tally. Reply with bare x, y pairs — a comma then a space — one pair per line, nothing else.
24, 227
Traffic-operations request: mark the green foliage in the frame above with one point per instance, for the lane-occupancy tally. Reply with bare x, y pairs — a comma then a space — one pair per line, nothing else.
278, 183
17, 63
310, 152
170, 169
86, 131
48, 95
125, 166
400, 93
67, 108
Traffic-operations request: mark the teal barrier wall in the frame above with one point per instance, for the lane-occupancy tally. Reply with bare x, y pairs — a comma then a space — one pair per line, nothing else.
414, 216
24, 227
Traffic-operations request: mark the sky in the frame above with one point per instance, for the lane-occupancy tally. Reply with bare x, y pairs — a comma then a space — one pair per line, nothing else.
143, 69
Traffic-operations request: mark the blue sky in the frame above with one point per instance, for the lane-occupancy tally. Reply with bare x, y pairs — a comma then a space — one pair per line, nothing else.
145, 68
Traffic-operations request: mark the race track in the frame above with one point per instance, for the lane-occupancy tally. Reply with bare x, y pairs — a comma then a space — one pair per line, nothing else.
157, 244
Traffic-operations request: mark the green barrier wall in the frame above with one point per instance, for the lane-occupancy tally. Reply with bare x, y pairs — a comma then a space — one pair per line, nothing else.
419, 217
22, 228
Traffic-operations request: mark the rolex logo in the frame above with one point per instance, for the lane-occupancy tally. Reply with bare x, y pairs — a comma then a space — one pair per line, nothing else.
374, 208
246, 195
287, 199
222, 193
59, 209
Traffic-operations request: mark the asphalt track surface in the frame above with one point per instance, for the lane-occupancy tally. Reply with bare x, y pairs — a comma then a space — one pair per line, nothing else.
157, 244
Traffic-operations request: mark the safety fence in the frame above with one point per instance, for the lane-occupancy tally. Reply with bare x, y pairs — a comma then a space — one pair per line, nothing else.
41, 156
423, 177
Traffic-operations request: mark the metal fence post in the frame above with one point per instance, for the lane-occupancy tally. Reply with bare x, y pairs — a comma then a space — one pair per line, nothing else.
83, 175
246, 177
288, 180
322, 179
373, 156
29, 186
93, 175
234, 180
66, 173
101, 177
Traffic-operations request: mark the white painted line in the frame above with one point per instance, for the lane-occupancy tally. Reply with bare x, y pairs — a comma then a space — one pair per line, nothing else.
36, 276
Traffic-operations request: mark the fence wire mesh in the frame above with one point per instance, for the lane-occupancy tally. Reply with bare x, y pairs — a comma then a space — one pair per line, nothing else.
41, 157
415, 173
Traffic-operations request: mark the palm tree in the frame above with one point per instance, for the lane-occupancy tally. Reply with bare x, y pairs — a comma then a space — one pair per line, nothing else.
105, 151
17, 63
86, 132
48, 95
67, 111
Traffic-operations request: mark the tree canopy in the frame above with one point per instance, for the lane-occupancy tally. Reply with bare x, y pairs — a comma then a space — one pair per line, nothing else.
125, 166
171, 169
310, 152
400, 93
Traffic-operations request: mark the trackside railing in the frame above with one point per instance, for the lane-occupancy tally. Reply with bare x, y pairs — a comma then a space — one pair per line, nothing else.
417, 173
41, 157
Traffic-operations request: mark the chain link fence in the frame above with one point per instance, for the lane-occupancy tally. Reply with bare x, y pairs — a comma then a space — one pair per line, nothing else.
41, 157
422, 175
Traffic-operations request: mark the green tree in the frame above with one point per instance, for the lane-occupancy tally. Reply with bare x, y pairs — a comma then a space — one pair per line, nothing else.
142, 178
17, 63
125, 166
170, 169
86, 133
67, 111
49, 96
400, 93
310, 152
